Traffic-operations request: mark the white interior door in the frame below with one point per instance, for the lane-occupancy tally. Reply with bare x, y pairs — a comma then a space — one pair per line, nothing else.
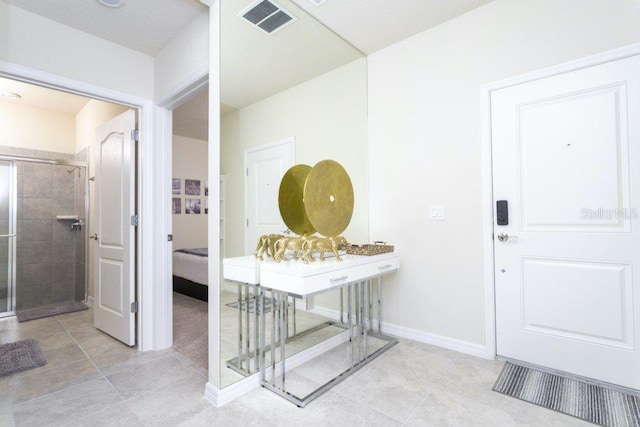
264, 169
567, 288
114, 269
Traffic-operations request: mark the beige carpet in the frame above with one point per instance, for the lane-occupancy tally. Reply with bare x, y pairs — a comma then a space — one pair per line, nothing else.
190, 329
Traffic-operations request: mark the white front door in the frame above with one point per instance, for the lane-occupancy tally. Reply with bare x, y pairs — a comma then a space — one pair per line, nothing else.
114, 259
264, 169
566, 151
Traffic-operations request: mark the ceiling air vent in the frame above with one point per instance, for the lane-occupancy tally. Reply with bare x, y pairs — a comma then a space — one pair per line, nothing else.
267, 16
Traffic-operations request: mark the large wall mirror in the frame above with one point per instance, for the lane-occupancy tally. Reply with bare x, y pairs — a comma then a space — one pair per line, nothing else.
299, 91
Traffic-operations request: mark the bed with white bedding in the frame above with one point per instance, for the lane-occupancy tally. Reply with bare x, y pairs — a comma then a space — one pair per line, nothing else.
190, 272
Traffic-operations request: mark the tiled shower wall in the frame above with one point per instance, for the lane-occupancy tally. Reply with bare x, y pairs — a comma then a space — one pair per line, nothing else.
46, 267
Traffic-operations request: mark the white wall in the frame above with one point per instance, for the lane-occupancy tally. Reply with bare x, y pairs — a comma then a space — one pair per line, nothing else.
327, 116
424, 136
190, 161
33, 41
187, 54
92, 115
36, 128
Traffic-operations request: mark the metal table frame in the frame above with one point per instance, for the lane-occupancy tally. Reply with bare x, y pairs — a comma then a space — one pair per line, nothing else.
359, 325
253, 293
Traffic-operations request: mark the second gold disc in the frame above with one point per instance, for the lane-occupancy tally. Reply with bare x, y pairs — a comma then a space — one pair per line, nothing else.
290, 200
328, 198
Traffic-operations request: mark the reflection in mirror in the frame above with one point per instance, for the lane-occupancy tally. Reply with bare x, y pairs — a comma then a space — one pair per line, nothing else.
295, 95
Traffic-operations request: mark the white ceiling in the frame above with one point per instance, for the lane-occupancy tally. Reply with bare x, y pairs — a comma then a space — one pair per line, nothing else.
142, 25
147, 25
375, 24
254, 65
41, 97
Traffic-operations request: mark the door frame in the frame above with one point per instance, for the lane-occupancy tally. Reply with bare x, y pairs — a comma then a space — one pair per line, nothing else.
487, 169
185, 91
149, 311
247, 151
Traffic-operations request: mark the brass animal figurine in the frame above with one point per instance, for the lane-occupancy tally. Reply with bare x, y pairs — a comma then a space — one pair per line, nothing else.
329, 244
266, 245
294, 244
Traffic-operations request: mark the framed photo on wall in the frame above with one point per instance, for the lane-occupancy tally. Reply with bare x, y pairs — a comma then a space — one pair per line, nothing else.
176, 205
192, 187
192, 206
176, 186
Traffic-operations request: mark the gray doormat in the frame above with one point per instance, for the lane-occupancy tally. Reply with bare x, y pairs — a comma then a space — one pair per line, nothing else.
20, 356
50, 310
590, 402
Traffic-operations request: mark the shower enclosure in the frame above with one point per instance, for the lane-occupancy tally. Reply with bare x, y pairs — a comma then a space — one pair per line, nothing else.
43, 212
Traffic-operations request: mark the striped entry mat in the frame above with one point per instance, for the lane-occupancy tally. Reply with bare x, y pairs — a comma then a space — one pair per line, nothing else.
593, 403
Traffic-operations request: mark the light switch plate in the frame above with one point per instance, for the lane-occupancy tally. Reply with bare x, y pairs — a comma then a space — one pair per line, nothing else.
436, 213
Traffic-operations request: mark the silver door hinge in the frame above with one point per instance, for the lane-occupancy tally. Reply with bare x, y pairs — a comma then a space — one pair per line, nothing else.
134, 307
247, 222
135, 135
169, 237
135, 220
247, 171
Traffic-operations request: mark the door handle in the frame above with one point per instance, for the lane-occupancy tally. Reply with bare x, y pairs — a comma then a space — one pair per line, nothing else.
504, 237
95, 237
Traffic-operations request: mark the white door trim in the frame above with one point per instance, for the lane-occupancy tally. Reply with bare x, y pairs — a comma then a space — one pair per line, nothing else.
487, 168
247, 151
145, 289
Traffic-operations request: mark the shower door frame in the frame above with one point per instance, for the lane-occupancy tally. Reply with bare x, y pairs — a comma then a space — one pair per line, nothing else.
13, 221
12, 234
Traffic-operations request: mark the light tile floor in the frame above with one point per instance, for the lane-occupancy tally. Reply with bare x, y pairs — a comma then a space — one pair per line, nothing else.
93, 380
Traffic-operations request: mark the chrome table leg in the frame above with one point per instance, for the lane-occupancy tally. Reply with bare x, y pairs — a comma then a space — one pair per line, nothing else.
240, 326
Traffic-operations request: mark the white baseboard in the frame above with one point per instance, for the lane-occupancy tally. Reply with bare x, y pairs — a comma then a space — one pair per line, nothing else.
220, 397
473, 349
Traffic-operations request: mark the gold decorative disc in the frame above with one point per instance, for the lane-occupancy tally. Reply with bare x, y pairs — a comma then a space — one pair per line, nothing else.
290, 200
328, 198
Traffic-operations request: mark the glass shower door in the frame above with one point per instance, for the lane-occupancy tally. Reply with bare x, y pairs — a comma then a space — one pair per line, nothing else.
7, 237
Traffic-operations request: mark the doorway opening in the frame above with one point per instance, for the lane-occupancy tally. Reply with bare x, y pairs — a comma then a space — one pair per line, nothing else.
189, 225
48, 197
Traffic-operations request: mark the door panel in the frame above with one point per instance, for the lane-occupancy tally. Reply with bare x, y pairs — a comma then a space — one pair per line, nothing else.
115, 251
265, 169
572, 139
590, 300
566, 293
266, 182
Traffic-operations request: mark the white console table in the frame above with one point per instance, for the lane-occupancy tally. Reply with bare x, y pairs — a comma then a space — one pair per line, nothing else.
299, 280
